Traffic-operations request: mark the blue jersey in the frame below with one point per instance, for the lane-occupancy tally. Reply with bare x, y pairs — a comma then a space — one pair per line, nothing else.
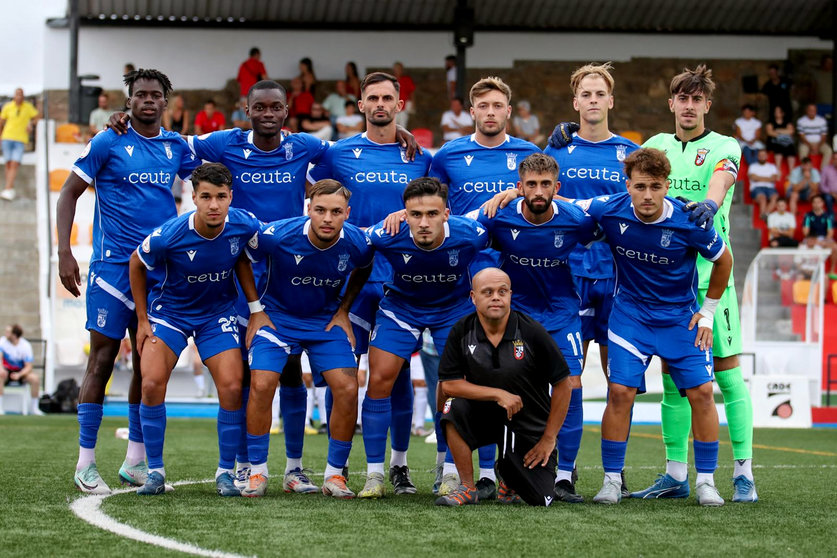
429, 281
589, 169
133, 179
268, 184
474, 173
535, 257
656, 263
199, 272
302, 280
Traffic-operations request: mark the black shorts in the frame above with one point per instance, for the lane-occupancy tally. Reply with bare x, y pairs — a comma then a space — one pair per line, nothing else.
481, 423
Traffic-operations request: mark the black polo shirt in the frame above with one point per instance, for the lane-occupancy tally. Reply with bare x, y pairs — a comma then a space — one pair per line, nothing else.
525, 362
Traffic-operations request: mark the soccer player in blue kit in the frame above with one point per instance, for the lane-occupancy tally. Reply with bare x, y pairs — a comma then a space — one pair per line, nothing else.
132, 174
376, 169
655, 311
309, 260
429, 289
591, 165
198, 252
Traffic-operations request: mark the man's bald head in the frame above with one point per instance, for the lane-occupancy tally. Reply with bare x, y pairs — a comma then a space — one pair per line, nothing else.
491, 294
488, 274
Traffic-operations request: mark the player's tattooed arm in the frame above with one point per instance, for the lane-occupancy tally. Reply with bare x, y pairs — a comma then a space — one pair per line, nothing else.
408, 141
258, 317
68, 270
392, 223
139, 290
560, 402
704, 318
340, 318
118, 121
499, 201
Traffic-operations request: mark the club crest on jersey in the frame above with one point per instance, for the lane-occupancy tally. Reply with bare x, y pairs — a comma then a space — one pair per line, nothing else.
665, 240
453, 257
146, 245
343, 262
102, 317
254, 242
621, 152
511, 161
167, 147
289, 151
403, 153
559, 239
519, 352
234, 246
701, 156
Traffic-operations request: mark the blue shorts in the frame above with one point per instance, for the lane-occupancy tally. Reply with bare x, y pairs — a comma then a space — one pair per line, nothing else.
633, 343
326, 350
110, 306
596, 304
399, 332
213, 335
13, 150
568, 340
363, 313
765, 191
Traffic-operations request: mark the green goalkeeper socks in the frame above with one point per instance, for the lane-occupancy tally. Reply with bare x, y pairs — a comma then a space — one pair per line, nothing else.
676, 422
739, 409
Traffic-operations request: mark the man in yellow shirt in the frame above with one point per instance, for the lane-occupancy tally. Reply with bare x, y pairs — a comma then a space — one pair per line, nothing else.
17, 119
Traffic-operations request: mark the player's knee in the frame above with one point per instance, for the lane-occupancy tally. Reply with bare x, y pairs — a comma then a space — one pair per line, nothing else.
153, 387
229, 387
702, 395
259, 384
620, 396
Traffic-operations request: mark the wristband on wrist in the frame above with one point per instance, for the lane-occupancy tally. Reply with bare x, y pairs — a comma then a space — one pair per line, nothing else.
255, 306
709, 307
705, 322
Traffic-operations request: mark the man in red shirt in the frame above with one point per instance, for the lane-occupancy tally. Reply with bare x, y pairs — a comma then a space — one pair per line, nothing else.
251, 71
209, 119
406, 88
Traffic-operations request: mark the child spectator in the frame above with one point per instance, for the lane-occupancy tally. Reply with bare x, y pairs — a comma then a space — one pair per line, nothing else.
781, 225
804, 183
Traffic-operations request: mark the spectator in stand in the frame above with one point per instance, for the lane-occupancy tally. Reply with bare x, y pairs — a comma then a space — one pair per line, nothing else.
317, 123
450, 75
813, 134
177, 118
828, 183
306, 74
526, 125
239, 116
804, 183
16, 353
406, 87
352, 80
299, 104
335, 102
781, 225
777, 90
748, 133
99, 116
456, 122
763, 176
209, 119
251, 72
17, 120
818, 231
781, 140
350, 123
824, 83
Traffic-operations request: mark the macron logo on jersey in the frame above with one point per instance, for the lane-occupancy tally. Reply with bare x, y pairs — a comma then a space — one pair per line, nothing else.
472, 348
247, 153
191, 254
357, 151
468, 159
514, 233
571, 148
298, 258
708, 368
407, 258
622, 228
130, 150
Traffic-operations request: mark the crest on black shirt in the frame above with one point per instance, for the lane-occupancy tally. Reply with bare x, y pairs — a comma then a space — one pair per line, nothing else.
519, 352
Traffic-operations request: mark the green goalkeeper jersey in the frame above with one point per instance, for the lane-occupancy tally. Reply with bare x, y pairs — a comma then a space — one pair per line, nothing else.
692, 165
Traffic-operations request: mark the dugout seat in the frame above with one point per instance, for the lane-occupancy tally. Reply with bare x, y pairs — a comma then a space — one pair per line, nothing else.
68, 133
632, 135
57, 178
801, 290
424, 137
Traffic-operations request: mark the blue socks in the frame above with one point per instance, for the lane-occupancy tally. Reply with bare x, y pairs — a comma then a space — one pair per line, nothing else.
89, 421
487, 455
134, 424
154, 432
402, 411
613, 455
241, 452
257, 448
569, 438
706, 456
338, 453
376, 417
293, 401
441, 443
230, 424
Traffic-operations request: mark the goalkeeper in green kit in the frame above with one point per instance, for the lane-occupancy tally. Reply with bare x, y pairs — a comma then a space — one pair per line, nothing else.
704, 165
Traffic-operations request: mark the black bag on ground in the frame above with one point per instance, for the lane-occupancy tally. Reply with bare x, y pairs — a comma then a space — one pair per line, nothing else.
66, 396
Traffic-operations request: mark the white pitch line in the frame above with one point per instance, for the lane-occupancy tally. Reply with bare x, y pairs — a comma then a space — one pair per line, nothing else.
88, 508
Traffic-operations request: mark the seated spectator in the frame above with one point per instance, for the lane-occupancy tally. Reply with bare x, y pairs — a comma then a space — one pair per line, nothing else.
335, 102
209, 119
813, 134
251, 72
763, 176
748, 133
99, 115
16, 366
818, 231
239, 115
317, 123
456, 122
526, 125
781, 225
306, 74
177, 118
351, 123
804, 183
352, 80
781, 141
299, 104
828, 184
406, 88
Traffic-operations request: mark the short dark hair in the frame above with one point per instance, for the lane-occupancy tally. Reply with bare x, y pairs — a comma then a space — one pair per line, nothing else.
748, 106
805, 160
460, 99
451, 57
254, 51
694, 81
17, 331
349, 103
210, 102
266, 84
214, 173
425, 186
539, 163
328, 186
378, 77
820, 196
650, 161
131, 78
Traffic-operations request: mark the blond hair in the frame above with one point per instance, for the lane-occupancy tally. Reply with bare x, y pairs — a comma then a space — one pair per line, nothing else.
600, 70
487, 84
